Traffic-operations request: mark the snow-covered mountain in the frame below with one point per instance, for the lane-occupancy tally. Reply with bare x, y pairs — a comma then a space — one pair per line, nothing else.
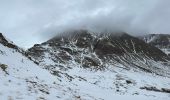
162, 41
81, 65
99, 60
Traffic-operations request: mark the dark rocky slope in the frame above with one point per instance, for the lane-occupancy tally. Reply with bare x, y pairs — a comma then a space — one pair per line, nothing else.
97, 51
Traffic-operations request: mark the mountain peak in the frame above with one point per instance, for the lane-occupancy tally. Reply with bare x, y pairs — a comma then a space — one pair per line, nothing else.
104, 44
92, 50
2, 38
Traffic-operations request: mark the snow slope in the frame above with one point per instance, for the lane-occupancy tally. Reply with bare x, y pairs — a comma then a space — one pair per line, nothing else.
111, 84
22, 79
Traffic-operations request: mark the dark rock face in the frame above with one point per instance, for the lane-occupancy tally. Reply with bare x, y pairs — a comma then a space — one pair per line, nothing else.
37, 50
151, 89
88, 62
125, 43
84, 39
165, 90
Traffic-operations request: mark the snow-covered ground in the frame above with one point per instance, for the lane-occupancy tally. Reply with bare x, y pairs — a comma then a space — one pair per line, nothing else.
24, 80
113, 84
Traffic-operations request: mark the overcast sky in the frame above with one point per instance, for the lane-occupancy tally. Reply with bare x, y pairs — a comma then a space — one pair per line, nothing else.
27, 22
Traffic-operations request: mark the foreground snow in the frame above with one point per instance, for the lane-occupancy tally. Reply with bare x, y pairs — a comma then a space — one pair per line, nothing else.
25, 80
109, 85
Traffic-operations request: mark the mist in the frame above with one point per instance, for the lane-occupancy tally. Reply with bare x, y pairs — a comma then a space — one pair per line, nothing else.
27, 22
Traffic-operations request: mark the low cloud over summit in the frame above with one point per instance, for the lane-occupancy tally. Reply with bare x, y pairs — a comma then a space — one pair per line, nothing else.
35, 20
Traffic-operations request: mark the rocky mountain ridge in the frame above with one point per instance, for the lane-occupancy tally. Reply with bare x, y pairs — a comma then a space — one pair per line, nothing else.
90, 50
161, 41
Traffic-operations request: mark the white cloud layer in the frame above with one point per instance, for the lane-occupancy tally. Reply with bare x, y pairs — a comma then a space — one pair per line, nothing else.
30, 21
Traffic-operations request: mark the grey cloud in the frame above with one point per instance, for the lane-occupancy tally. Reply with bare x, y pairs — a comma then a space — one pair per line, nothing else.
33, 21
